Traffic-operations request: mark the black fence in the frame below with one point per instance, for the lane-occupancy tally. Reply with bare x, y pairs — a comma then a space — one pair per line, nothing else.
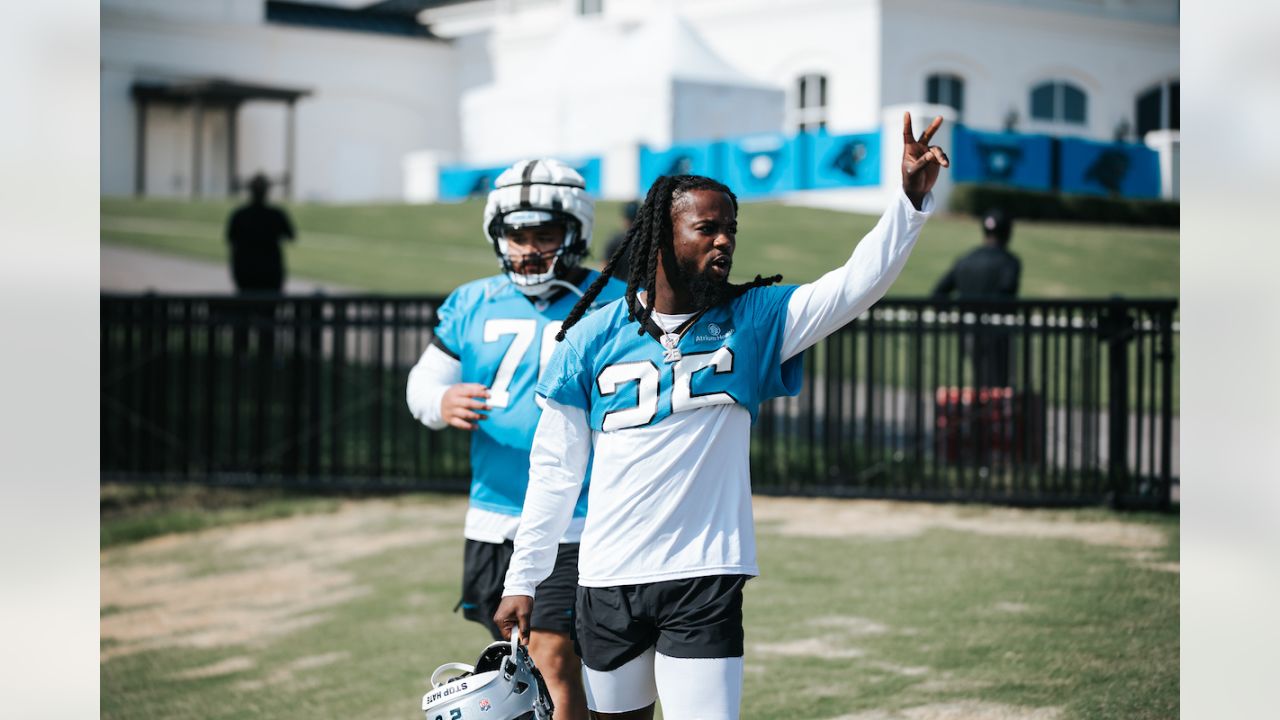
1028, 402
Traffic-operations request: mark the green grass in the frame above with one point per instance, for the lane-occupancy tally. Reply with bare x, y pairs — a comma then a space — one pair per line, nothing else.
971, 610
1095, 637
433, 248
130, 513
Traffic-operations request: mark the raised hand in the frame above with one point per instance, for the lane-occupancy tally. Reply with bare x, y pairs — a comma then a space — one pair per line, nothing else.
921, 162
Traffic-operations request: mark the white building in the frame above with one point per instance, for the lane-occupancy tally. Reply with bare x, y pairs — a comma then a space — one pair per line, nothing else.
495, 80
327, 112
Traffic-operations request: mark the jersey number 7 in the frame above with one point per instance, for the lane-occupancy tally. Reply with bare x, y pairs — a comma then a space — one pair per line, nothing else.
523, 330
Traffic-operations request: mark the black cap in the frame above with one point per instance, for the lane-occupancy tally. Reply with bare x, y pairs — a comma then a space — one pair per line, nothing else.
996, 222
259, 183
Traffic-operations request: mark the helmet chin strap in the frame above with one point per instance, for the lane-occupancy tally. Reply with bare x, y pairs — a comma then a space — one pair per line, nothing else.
567, 285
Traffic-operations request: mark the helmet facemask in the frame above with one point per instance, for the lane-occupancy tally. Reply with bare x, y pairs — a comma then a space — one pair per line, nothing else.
549, 265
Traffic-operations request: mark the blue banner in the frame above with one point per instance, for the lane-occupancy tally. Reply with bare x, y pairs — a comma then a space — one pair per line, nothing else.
1095, 168
459, 182
842, 160
770, 164
1023, 161
684, 159
761, 165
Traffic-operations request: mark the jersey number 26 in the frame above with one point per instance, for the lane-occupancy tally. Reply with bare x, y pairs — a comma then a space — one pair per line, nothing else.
647, 377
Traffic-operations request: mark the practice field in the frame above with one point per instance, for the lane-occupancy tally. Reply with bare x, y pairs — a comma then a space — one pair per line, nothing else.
864, 611
431, 249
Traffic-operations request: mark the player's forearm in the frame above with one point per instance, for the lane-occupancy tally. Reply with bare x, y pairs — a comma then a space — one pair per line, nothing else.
557, 466
823, 306
428, 380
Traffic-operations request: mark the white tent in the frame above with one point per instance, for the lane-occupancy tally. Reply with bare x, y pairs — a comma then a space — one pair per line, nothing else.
598, 88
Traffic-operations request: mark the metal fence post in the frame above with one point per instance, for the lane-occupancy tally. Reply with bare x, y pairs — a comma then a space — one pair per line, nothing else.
1117, 330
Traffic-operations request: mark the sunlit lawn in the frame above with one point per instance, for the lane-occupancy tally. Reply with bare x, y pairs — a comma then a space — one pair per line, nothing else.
432, 248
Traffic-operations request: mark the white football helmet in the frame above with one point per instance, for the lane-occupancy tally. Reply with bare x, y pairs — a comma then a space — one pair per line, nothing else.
540, 192
502, 685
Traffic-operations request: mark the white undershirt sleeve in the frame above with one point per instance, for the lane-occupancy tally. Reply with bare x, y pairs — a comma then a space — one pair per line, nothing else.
428, 380
557, 469
827, 304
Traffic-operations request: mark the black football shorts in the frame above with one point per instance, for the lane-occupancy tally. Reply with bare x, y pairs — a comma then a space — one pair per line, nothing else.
484, 569
689, 618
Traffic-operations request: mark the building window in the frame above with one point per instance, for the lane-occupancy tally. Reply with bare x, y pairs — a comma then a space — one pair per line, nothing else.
590, 7
945, 89
811, 102
1157, 108
1058, 101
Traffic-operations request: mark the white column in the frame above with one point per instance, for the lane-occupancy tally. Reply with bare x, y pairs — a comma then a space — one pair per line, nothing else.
1167, 144
421, 173
620, 173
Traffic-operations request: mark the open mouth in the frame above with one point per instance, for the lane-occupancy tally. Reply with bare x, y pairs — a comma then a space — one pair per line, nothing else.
721, 264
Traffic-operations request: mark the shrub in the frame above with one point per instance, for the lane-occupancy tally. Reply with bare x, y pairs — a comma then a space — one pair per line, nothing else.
974, 199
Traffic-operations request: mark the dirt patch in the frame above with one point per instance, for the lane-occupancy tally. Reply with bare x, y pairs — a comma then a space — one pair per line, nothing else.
807, 517
1150, 561
849, 625
287, 674
225, 667
253, 582
904, 670
811, 647
949, 684
963, 710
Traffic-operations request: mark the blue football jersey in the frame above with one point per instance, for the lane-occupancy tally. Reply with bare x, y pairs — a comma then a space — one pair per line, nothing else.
504, 341
729, 354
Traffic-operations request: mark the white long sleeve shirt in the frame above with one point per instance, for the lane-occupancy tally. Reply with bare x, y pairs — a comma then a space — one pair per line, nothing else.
648, 518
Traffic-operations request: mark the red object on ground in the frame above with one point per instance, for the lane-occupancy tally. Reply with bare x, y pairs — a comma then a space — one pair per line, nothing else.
985, 425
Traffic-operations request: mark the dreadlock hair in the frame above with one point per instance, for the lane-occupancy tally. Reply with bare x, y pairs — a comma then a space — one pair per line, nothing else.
648, 235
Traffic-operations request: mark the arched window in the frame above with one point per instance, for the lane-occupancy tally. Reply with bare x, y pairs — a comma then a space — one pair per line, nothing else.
811, 102
1059, 101
1157, 108
945, 89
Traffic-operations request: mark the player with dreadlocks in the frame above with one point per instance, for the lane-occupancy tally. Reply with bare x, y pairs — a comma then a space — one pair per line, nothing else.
655, 394
651, 231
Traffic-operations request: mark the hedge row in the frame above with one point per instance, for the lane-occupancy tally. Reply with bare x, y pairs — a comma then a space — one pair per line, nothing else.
974, 199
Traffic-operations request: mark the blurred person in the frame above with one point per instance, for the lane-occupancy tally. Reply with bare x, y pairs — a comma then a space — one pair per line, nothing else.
490, 347
255, 231
654, 396
622, 269
989, 272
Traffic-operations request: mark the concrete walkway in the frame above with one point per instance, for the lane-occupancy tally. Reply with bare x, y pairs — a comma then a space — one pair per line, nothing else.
130, 270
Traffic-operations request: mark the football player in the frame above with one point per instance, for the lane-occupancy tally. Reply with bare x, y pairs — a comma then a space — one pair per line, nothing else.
658, 392
493, 341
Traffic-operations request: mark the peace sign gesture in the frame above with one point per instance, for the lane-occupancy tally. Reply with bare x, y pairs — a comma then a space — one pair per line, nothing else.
920, 161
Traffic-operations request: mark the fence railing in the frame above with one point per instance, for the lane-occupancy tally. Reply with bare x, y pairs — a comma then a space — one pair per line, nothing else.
1038, 402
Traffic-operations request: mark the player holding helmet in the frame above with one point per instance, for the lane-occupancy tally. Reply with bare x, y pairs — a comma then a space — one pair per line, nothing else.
656, 394
478, 374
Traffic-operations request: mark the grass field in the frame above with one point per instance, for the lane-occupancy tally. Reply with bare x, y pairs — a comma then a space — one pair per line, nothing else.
863, 611
433, 248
